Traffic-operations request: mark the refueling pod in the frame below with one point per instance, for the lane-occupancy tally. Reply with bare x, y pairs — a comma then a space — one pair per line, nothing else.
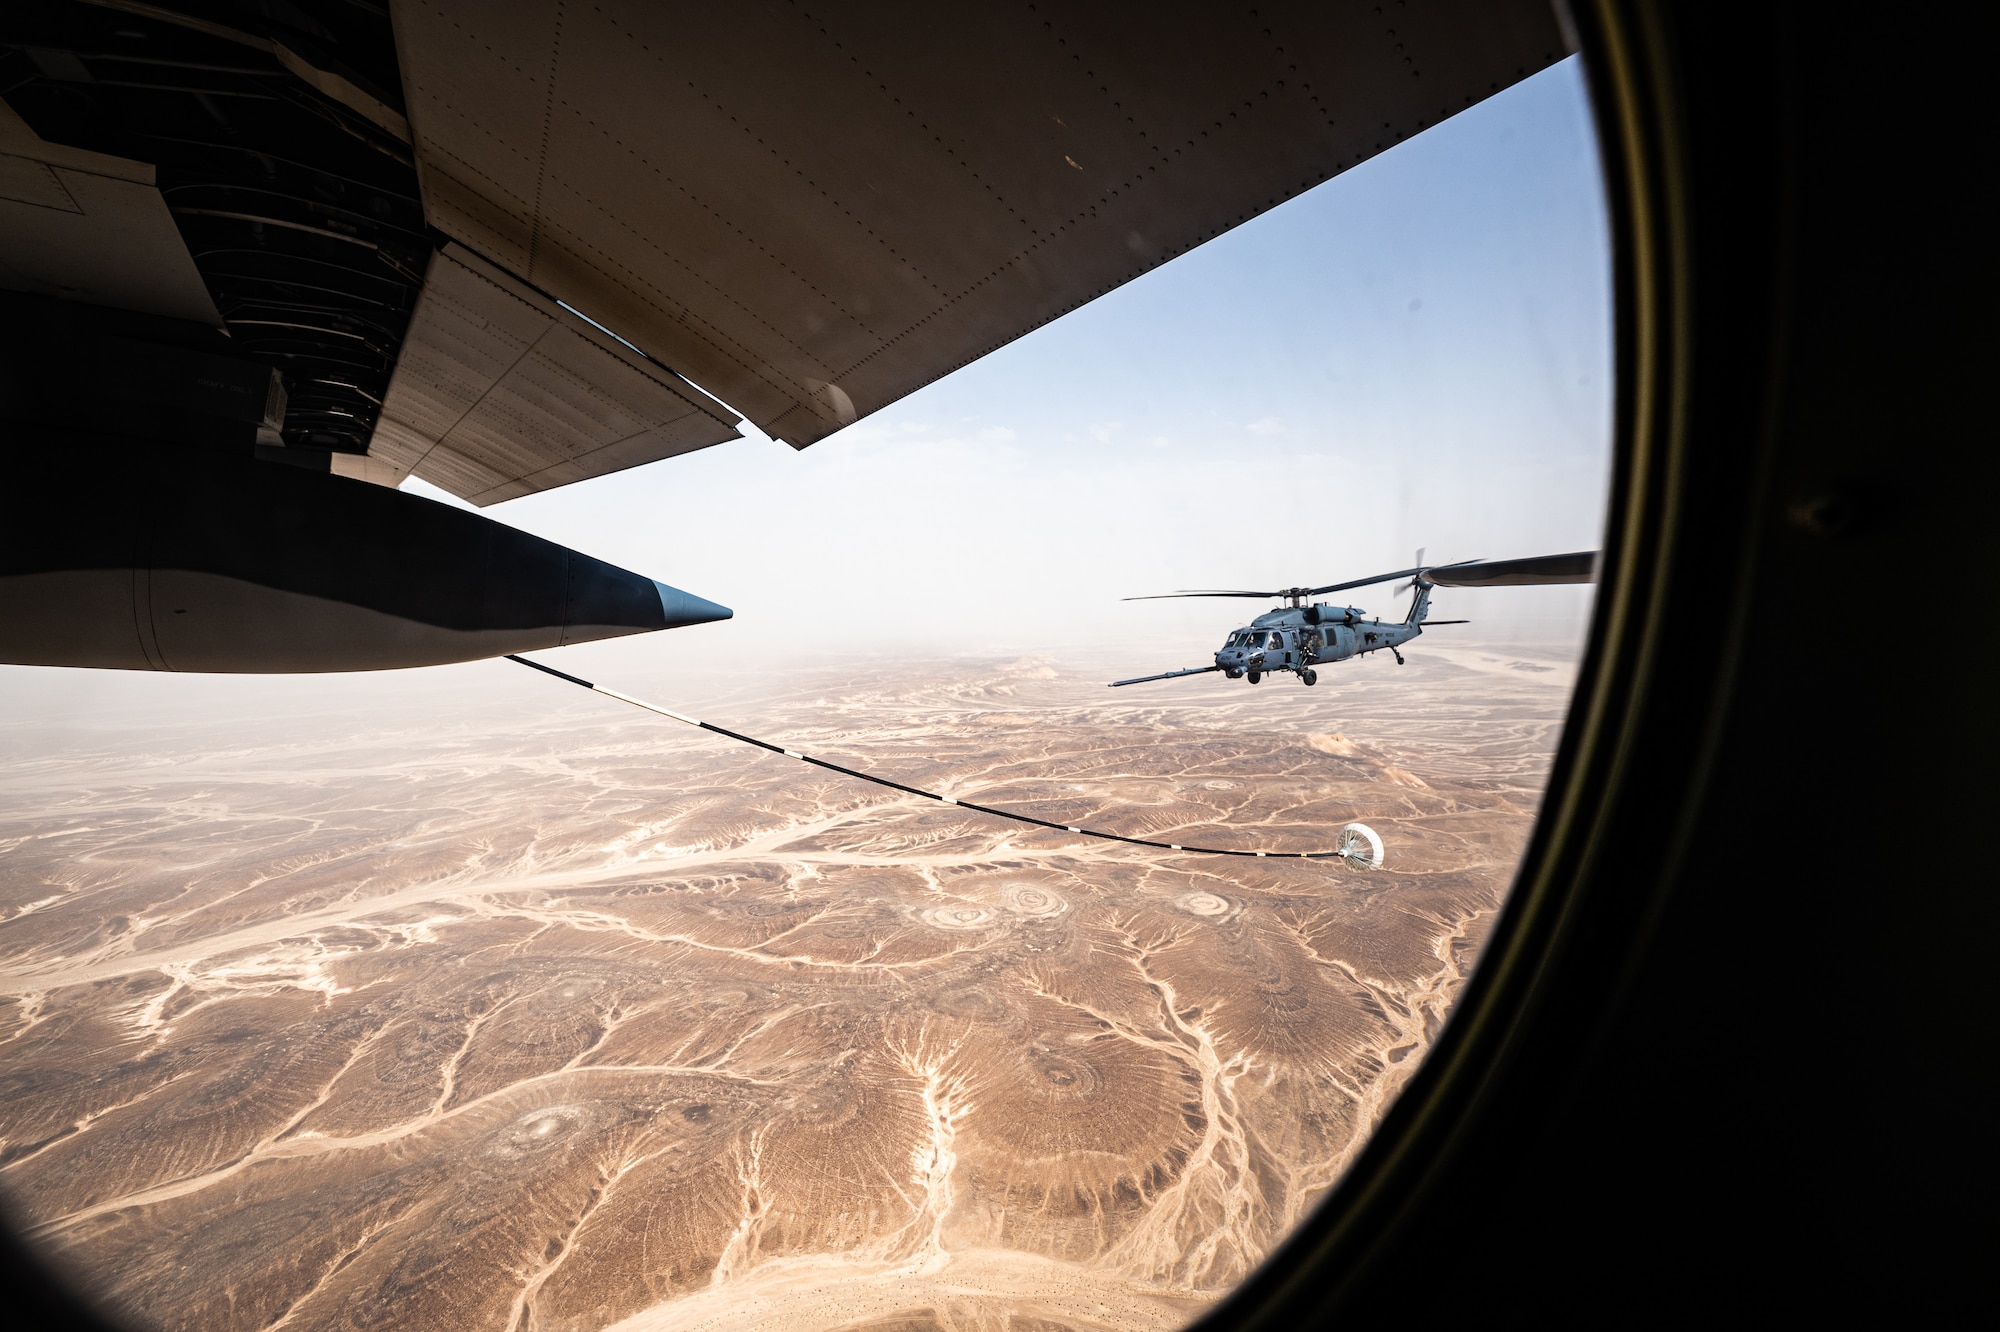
150, 520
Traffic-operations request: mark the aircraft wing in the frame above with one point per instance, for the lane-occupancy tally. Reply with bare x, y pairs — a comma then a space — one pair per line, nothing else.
811, 211
506, 245
501, 392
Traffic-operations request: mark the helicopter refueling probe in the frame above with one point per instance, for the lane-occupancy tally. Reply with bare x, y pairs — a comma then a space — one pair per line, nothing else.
1356, 844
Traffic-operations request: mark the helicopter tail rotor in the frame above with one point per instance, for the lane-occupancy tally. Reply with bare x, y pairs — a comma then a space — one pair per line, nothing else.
1405, 589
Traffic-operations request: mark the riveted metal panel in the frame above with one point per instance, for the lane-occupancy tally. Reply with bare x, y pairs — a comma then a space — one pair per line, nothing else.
812, 209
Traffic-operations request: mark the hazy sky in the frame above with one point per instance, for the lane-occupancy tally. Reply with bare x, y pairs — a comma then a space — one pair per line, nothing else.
1416, 353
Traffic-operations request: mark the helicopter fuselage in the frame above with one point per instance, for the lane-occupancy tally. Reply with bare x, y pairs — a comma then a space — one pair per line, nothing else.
1298, 638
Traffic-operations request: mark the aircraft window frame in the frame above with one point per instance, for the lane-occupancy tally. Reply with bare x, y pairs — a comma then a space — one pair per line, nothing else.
1704, 504
1629, 772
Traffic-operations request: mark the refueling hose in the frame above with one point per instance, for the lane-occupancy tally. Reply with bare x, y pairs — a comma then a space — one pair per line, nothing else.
1359, 844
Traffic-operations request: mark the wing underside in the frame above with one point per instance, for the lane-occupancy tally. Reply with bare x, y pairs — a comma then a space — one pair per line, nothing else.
811, 213
504, 246
501, 392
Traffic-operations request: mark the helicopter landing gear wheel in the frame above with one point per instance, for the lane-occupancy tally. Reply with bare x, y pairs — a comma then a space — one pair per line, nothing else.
1397, 655
1254, 676
1309, 675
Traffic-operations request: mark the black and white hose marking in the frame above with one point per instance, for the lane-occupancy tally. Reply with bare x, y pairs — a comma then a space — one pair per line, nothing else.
1356, 843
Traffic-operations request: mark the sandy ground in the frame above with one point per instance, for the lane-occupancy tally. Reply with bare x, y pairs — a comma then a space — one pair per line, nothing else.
533, 1011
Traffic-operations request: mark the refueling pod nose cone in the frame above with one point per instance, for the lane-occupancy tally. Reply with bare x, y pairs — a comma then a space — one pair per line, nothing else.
681, 608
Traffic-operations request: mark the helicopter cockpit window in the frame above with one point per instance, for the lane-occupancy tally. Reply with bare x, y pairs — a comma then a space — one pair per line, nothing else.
310, 983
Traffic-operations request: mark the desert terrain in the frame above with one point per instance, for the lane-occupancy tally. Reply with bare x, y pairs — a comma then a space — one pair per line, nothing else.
535, 1011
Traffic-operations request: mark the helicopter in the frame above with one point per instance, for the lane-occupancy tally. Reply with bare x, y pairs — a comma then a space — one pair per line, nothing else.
1298, 636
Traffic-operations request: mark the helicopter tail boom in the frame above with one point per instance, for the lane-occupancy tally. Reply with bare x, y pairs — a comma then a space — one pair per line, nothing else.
1420, 604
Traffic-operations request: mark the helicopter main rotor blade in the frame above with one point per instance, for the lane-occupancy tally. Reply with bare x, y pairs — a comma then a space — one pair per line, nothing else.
1369, 582
1576, 567
1143, 679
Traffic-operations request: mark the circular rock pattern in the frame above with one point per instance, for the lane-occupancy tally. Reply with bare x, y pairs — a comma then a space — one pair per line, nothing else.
1211, 905
962, 917
1062, 1078
971, 1001
1035, 903
538, 1130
